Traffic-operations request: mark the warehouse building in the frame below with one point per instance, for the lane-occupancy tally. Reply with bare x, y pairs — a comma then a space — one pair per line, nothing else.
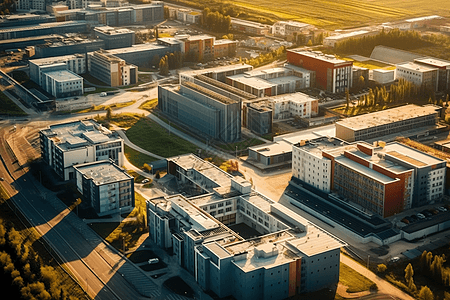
286, 256
43, 29
209, 112
68, 46
108, 188
68, 144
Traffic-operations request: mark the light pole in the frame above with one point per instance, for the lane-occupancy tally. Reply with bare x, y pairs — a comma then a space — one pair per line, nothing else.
236, 152
368, 260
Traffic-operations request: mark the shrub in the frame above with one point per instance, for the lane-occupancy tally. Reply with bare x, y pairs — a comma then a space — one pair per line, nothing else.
381, 268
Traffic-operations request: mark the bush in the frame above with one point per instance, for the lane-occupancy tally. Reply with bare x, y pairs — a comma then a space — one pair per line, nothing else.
381, 268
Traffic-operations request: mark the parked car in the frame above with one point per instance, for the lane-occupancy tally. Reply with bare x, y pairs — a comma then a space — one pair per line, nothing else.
394, 259
2, 179
426, 213
433, 211
405, 220
152, 261
420, 216
441, 208
145, 180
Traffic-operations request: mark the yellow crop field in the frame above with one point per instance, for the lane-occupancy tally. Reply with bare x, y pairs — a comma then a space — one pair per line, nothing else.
333, 14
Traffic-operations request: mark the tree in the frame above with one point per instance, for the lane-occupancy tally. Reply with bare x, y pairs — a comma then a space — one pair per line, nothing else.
164, 66
109, 113
409, 273
426, 294
381, 268
309, 44
147, 168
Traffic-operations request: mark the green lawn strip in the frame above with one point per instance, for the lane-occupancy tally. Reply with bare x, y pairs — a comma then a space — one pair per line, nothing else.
353, 280
8, 107
137, 158
150, 136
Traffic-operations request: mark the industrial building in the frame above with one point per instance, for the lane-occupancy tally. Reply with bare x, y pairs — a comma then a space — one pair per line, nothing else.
68, 144
108, 188
115, 37
384, 179
286, 256
210, 113
60, 82
111, 70
389, 121
331, 41
19, 43
75, 63
383, 76
289, 28
332, 74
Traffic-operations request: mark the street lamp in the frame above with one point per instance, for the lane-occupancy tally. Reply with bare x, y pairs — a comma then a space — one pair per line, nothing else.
236, 152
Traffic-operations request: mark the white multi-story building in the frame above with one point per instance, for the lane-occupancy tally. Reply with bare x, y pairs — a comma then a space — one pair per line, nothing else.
68, 144
286, 28
75, 63
291, 105
30, 5
418, 74
106, 187
62, 83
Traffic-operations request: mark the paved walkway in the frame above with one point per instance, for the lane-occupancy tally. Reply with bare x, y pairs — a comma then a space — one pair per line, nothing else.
384, 287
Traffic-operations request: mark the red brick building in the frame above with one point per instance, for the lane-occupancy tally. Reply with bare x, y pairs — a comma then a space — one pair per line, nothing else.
332, 74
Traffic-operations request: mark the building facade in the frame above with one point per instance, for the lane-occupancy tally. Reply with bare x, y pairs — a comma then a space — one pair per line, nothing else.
384, 179
68, 144
115, 37
443, 67
209, 112
387, 122
419, 75
62, 83
75, 63
332, 74
108, 188
288, 256
111, 69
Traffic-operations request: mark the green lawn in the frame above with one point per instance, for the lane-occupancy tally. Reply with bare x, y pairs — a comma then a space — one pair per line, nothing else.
354, 280
8, 107
149, 105
137, 158
150, 136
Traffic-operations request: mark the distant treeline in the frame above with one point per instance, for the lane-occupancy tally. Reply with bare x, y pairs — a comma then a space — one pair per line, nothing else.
395, 38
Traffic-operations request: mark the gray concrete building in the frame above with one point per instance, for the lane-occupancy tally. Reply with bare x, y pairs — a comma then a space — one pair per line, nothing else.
43, 29
75, 63
115, 37
210, 113
284, 256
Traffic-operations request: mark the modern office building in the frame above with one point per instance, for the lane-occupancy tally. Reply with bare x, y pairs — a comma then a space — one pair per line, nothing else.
385, 179
249, 27
25, 5
383, 76
286, 255
79, 142
108, 188
210, 113
258, 117
115, 37
61, 83
68, 46
418, 74
289, 28
188, 16
43, 29
386, 122
111, 70
75, 63
332, 74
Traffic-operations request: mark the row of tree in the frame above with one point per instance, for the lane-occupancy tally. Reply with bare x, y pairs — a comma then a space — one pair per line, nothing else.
22, 272
396, 38
170, 61
216, 21
433, 266
279, 53
6, 7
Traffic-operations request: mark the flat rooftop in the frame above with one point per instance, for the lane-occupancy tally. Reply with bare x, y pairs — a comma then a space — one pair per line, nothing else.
388, 116
411, 156
112, 31
254, 82
272, 149
55, 59
320, 56
42, 26
136, 48
347, 35
103, 172
63, 75
317, 145
284, 80
79, 134
415, 67
440, 63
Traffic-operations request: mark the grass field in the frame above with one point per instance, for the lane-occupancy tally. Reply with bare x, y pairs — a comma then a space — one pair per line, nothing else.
150, 136
137, 158
354, 280
8, 107
345, 13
